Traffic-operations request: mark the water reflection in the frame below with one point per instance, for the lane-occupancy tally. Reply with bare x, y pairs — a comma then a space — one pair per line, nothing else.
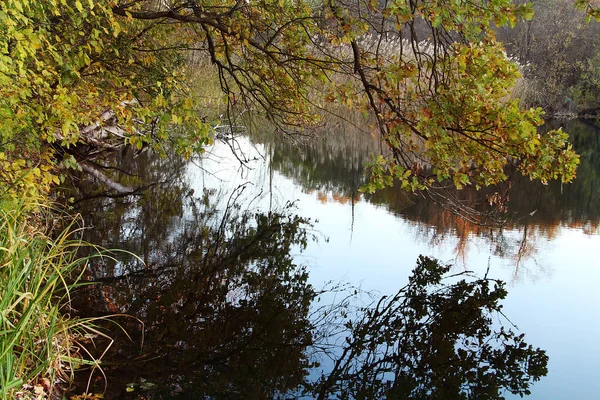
228, 312
225, 308
434, 339
332, 162
512, 217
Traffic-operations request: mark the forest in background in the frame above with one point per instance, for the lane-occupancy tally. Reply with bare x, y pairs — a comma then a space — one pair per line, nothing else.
559, 54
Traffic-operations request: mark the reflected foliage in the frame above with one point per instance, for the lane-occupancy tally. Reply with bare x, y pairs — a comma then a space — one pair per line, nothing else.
576, 204
228, 312
329, 162
434, 339
532, 210
223, 304
528, 210
141, 221
229, 317
333, 163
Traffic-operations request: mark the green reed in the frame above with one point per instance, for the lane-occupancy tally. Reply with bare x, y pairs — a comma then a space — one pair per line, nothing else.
38, 269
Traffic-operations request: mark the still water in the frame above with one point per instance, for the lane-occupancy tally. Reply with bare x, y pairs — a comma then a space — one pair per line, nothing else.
259, 261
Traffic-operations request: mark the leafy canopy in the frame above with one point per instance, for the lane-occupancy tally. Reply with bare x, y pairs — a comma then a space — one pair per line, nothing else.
431, 74
69, 67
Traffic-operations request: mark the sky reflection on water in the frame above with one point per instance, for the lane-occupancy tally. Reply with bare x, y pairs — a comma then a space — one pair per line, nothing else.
549, 262
553, 291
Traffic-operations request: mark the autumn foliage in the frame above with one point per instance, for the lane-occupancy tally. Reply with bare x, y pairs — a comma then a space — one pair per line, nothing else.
97, 71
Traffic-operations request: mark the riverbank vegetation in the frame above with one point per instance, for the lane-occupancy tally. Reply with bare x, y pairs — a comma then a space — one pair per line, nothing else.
558, 52
78, 77
41, 343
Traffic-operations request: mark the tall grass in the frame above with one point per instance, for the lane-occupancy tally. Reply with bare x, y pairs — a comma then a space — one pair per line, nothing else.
38, 339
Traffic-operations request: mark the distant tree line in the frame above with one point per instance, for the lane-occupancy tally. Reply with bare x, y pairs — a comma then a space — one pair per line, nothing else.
559, 51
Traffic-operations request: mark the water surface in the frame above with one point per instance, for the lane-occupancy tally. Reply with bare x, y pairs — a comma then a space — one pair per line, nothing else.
244, 249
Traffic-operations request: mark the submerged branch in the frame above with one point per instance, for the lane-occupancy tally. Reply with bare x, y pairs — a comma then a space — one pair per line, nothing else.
96, 173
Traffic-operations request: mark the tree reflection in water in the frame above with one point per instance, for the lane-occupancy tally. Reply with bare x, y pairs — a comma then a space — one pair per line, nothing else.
514, 218
228, 313
226, 316
434, 339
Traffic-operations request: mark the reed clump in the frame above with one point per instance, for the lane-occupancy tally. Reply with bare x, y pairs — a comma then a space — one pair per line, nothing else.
40, 343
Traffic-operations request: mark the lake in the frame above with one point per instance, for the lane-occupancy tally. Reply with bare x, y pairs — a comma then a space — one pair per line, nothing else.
257, 263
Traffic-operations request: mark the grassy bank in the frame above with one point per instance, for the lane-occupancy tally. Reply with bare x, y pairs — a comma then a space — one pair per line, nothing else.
40, 344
